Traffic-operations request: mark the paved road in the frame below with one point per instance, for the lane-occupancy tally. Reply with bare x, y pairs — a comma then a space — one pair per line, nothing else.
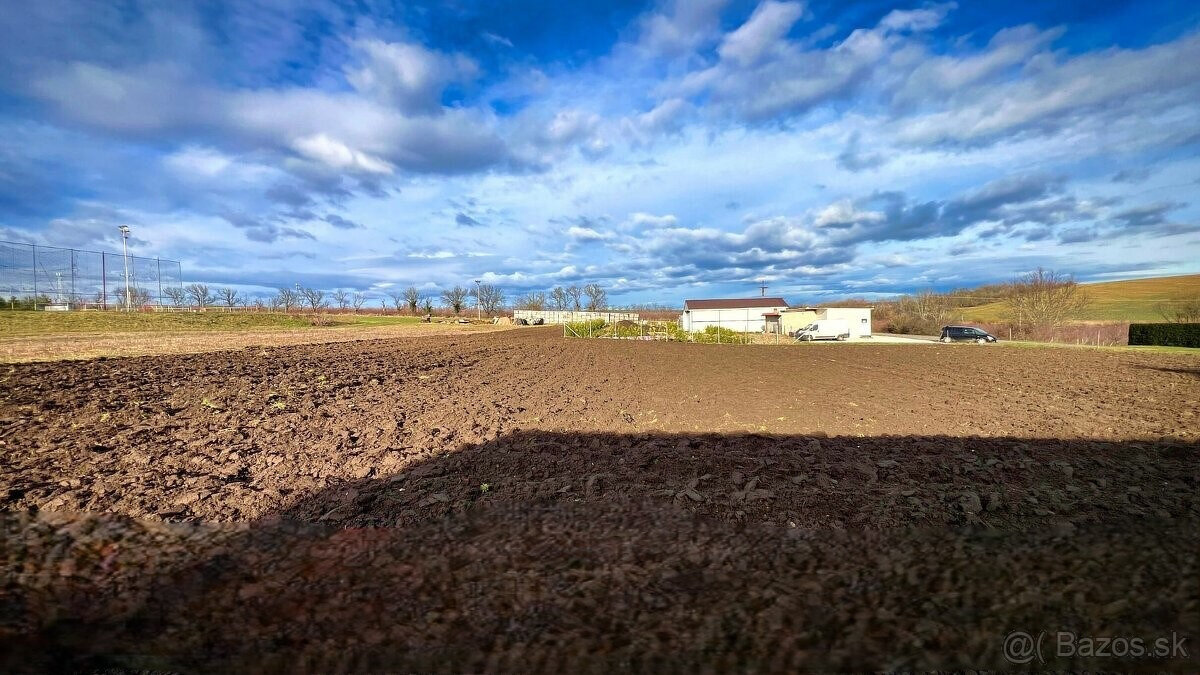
892, 337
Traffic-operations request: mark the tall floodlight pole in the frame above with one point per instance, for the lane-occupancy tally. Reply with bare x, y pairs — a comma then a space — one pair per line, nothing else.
125, 252
478, 311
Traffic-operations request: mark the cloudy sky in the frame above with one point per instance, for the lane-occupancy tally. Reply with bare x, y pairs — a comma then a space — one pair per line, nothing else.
671, 150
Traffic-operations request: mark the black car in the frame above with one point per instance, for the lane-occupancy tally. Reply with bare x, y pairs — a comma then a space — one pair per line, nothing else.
966, 333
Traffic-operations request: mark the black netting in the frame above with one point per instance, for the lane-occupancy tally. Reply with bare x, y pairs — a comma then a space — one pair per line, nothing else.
84, 278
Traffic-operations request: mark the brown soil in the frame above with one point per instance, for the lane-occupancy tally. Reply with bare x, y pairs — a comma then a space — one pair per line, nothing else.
518, 501
57, 347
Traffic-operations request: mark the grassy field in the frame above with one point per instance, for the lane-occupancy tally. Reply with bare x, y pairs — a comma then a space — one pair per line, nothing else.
1134, 300
52, 336
19, 324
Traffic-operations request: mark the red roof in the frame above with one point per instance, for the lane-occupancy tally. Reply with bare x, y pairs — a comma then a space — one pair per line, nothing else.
734, 303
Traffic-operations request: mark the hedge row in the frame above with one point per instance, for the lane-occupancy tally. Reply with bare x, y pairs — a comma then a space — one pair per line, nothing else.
1165, 334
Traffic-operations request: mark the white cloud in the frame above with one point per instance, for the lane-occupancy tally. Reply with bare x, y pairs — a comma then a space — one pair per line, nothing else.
409, 76
760, 33
662, 118
199, 161
681, 28
917, 19
432, 255
762, 75
584, 234
844, 212
342, 130
1054, 93
338, 156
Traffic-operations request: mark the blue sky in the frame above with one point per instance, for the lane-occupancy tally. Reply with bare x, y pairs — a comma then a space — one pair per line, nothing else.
663, 150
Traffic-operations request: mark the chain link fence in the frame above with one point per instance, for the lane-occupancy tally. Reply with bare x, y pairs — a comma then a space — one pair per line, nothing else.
40, 276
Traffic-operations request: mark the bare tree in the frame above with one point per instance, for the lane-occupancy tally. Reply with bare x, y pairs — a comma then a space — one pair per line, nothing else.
412, 298
228, 296
575, 293
358, 301
286, 299
559, 298
341, 298
259, 305
397, 297
455, 298
535, 300
176, 295
199, 295
923, 313
137, 296
490, 297
1045, 299
315, 298
597, 297
428, 305
1181, 311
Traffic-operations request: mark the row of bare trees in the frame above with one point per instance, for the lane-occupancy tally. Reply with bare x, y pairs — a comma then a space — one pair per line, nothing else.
1038, 301
488, 297
591, 297
1183, 311
286, 299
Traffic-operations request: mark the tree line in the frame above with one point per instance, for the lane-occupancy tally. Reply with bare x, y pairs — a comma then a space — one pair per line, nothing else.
592, 298
1043, 299
488, 297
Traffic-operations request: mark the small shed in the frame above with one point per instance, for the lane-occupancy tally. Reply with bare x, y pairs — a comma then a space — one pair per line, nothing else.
858, 318
797, 318
743, 315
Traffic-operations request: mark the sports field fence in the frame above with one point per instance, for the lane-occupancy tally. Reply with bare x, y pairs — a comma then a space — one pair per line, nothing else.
49, 277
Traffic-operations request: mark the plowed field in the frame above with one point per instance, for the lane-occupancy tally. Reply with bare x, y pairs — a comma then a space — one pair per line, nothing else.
516, 501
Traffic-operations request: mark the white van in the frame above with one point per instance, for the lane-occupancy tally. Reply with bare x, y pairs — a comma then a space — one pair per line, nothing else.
825, 329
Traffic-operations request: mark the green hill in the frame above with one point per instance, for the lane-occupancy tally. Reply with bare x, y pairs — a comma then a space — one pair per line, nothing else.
1131, 300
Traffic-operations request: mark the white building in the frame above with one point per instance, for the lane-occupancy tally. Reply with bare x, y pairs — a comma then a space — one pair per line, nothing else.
744, 315
858, 318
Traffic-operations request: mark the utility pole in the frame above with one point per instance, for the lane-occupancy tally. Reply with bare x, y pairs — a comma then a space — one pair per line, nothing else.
762, 287
478, 310
125, 252
34, 275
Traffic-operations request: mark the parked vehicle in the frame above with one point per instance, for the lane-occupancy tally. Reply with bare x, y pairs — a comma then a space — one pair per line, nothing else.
825, 329
966, 334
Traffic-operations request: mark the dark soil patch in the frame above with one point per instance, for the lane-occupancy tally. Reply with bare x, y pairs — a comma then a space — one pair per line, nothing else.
518, 501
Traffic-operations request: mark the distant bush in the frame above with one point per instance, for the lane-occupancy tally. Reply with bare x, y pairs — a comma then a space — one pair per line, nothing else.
27, 302
1182, 311
586, 328
923, 313
598, 328
1165, 334
1094, 333
714, 335
625, 329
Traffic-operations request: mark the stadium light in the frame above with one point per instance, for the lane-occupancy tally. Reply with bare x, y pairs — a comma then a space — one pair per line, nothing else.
125, 254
